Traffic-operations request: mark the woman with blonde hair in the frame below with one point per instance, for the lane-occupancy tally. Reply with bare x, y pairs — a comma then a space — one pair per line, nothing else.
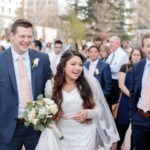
104, 52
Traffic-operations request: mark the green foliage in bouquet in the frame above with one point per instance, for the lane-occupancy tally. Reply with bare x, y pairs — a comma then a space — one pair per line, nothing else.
40, 113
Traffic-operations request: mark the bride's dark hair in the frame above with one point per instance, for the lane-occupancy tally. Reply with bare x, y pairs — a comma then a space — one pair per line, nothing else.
82, 85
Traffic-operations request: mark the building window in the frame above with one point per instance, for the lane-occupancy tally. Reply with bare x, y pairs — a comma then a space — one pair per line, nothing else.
9, 10
2, 9
30, 4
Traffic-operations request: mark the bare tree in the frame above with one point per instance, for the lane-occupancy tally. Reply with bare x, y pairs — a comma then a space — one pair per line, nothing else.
103, 14
143, 11
45, 13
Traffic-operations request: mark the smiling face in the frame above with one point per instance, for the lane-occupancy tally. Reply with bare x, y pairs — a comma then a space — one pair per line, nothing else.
73, 68
93, 53
22, 39
103, 54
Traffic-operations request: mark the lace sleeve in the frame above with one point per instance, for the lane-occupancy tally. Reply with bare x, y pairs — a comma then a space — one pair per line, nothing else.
94, 112
48, 87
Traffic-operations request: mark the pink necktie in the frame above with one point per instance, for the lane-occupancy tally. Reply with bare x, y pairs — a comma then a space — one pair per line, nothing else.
54, 64
92, 67
146, 94
24, 81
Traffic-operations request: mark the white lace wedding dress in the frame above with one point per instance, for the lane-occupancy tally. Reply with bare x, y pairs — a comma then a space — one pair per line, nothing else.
99, 135
77, 136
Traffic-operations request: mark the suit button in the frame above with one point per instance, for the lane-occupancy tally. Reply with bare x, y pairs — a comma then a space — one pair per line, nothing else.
15, 119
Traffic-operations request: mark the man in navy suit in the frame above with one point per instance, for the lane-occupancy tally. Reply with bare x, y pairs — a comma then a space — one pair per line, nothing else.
100, 70
13, 133
140, 117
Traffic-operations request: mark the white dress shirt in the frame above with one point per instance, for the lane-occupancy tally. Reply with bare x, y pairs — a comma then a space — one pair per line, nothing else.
145, 73
95, 64
119, 59
26, 61
52, 56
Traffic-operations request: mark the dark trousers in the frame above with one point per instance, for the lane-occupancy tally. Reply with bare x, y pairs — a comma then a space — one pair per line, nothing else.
114, 94
23, 136
141, 137
122, 129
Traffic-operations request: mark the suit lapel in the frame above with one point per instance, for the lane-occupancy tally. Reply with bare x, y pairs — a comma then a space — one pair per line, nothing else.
97, 67
33, 71
10, 66
87, 65
141, 67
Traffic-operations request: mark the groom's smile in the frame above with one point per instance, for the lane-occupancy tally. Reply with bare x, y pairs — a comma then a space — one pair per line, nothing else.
22, 39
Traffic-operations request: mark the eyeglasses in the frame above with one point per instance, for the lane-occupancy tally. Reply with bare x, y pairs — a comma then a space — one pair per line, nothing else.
58, 47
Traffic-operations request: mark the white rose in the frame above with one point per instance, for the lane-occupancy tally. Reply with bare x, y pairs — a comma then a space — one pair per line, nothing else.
97, 71
31, 114
40, 103
34, 121
53, 109
42, 111
48, 101
36, 61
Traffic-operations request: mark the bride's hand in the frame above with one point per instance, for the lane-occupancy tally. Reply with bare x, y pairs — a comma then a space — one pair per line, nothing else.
81, 115
114, 146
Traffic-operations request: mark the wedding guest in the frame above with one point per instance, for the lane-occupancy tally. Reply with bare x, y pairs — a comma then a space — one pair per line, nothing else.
56, 55
23, 75
3, 41
83, 117
98, 43
48, 48
100, 70
125, 74
42, 40
2, 48
116, 59
139, 104
37, 45
84, 51
104, 52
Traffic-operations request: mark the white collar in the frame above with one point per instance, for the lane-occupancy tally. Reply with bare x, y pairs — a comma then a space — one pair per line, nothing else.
95, 62
117, 51
53, 52
147, 62
16, 55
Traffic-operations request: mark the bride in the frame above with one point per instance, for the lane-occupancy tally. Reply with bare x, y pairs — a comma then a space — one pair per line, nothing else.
83, 118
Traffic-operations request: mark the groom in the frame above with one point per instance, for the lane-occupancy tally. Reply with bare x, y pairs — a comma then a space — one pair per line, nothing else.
23, 74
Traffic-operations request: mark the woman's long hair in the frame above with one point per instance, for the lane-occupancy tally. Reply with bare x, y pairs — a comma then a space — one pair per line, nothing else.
82, 85
130, 64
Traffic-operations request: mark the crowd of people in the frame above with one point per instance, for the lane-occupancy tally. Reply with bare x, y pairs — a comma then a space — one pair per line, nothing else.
84, 81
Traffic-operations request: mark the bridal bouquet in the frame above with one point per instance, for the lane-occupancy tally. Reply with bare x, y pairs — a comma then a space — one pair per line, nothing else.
41, 113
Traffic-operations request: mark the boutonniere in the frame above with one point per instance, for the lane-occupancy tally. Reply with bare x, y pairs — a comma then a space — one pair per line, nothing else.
97, 71
35, 62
